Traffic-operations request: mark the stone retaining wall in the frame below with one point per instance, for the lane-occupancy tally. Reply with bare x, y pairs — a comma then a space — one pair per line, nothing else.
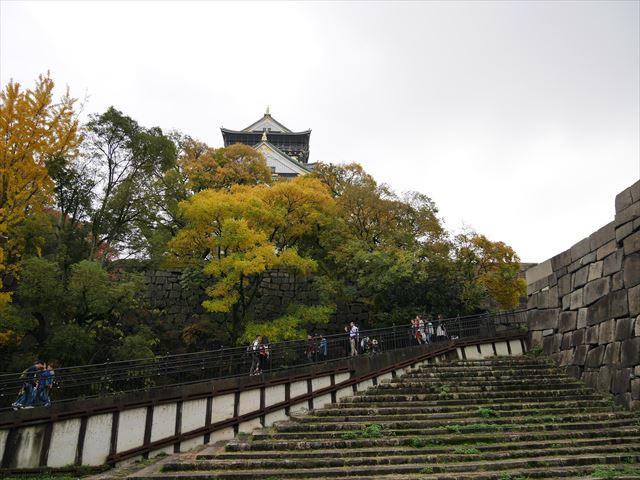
584, 305
179, 303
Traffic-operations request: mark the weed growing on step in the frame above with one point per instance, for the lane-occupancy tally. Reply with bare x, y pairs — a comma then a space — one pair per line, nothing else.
616, 472
445, 393
374, 430
487, 412
467, 451
416, 442
535, 352
427, 470
453, 428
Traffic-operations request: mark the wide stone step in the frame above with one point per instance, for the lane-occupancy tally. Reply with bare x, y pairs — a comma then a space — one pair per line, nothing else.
487, 413
422, 438
460, 454
478, 400
384, 396
441, 389
353, 424
505, 380
419, 449
347, 430
470, 369
410, 408
375, 471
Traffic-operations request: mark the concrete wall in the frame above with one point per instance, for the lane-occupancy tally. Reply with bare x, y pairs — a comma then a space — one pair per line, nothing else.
115, 429
584, 305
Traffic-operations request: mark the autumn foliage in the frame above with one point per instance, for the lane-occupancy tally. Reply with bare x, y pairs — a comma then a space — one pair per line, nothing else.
33, 129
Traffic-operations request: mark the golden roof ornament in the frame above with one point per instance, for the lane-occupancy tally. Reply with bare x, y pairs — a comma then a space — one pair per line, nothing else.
264, 135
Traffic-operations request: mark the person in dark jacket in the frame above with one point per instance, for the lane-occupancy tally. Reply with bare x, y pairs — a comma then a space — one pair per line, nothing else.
27, 396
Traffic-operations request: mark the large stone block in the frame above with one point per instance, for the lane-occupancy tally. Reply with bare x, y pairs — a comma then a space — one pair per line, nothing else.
582, 318
595, 270
617, 281
561, 260
606, 250
612, 354
632, 243
598, 312
548, 344
607, 332
566, 302
595, 356
591, 378
535, 338
632, 270
580, 354
567, 321
574, 371
627, 215
566, 357
543, 319
621, 381
612, 263
605, 377
623, 231
577, 337
624, 199
624, 328
539, 272
602, 236
618, 304
596, 289
634, 300
612, 305
580, 249
566, 341
577, 299
543, 299
554, 299
630, 352
580, 277
564, 285
635, 388
592, 335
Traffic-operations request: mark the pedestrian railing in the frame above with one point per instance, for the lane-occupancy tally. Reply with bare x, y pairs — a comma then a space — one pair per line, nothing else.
87, 381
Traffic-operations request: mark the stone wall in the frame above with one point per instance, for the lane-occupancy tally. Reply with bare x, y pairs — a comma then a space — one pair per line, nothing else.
179, 303
584, 305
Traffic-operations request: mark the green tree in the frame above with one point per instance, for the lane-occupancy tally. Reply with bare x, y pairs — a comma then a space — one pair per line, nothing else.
490, 268
128, 158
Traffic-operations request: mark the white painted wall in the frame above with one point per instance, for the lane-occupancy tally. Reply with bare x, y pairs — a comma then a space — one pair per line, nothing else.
64, 443
97, 439
131, 429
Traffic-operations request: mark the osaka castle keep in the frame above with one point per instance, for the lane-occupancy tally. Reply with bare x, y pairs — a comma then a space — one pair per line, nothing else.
286, 152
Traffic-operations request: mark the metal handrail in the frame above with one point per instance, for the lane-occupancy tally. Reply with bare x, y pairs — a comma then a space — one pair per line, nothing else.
94, 380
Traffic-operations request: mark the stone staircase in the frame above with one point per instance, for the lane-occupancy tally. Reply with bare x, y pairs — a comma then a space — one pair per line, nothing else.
500, 419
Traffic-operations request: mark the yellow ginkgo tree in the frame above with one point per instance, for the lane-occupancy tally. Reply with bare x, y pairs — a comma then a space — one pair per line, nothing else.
33, 129
237, 235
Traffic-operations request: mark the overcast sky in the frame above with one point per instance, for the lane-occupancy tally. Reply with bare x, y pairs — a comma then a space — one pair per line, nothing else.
518, 119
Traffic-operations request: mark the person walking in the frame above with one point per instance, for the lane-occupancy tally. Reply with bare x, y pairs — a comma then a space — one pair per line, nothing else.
323, 348
45, 384
354, 334
254, 350
29, 377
